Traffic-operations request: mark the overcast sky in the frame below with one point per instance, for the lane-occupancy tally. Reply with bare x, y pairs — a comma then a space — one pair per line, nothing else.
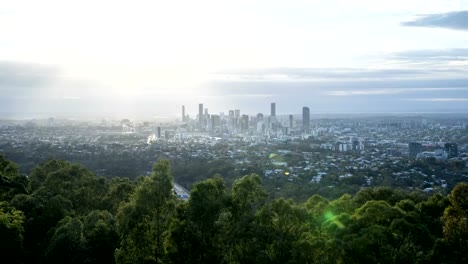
147, 58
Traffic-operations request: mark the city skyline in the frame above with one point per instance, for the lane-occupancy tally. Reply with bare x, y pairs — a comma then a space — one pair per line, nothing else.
237, 113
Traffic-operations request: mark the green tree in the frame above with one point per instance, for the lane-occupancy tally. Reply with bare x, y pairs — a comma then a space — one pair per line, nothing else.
11, 181
195, 237
456, 223
239, 226
118, 191
71, 181
11, 233
284, 224
67, 242
143, 222
60, 189
101, 237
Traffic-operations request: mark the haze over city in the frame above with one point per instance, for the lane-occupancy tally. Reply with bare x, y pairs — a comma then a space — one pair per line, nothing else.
247, 131
147, 58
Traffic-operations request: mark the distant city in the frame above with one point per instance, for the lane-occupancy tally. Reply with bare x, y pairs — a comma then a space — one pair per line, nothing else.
235, 122
318, 150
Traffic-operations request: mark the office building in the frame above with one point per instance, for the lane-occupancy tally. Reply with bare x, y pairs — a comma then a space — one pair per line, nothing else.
183, 113
259, 117
244, 122
290, 121
451, 149
200, 115
273, 109
305, 117
215, 121
414, 148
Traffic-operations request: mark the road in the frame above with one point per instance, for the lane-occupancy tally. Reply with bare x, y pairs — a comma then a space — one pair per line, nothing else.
181, 192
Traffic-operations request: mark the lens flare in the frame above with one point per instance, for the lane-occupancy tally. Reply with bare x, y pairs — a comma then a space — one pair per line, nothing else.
329, 216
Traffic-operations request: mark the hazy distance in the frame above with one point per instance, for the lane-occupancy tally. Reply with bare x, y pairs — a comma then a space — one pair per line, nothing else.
147, 58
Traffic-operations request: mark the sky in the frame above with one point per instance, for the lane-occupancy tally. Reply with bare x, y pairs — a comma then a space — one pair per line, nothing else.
148, 58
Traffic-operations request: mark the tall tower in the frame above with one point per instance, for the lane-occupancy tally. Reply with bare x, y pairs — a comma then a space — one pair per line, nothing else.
273, 109
290, 121
183, 113
305, 117
414, 148
200, 115
451, 149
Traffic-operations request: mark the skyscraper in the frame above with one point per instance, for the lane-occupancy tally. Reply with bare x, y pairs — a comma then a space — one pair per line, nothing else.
414, 148
451, 149
183, 113
200, 115
290, 121
273, 109
244, 122
215, 121
305, 117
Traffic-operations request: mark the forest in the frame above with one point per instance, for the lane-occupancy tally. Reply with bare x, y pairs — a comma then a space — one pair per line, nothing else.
61, 212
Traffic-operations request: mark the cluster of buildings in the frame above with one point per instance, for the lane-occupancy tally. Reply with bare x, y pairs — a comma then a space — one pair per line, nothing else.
420, 151
235, 122
346, 149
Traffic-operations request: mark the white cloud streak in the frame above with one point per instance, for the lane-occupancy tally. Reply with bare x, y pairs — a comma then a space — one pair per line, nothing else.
390, 91
438, 99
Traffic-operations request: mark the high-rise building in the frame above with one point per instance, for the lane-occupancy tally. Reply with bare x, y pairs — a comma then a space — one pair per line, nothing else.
305, 117
290, 121
259, 117
244, 122
159, 132
354, 143
237, 113
451, 149
183, 113
200, 115
414, 148
273, 109
215, 121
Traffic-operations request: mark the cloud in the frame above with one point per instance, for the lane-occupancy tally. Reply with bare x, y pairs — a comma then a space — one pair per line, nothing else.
460, 54
356, 89
439, 99
39, 88
361, 92
35, 81
322, 74
366, 75
15, 75
394, 91
452, 20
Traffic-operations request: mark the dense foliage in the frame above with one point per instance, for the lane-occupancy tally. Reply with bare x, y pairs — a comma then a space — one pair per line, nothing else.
63, 213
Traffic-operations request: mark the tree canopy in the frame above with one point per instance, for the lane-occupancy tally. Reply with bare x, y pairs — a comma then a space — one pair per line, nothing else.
64, 213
